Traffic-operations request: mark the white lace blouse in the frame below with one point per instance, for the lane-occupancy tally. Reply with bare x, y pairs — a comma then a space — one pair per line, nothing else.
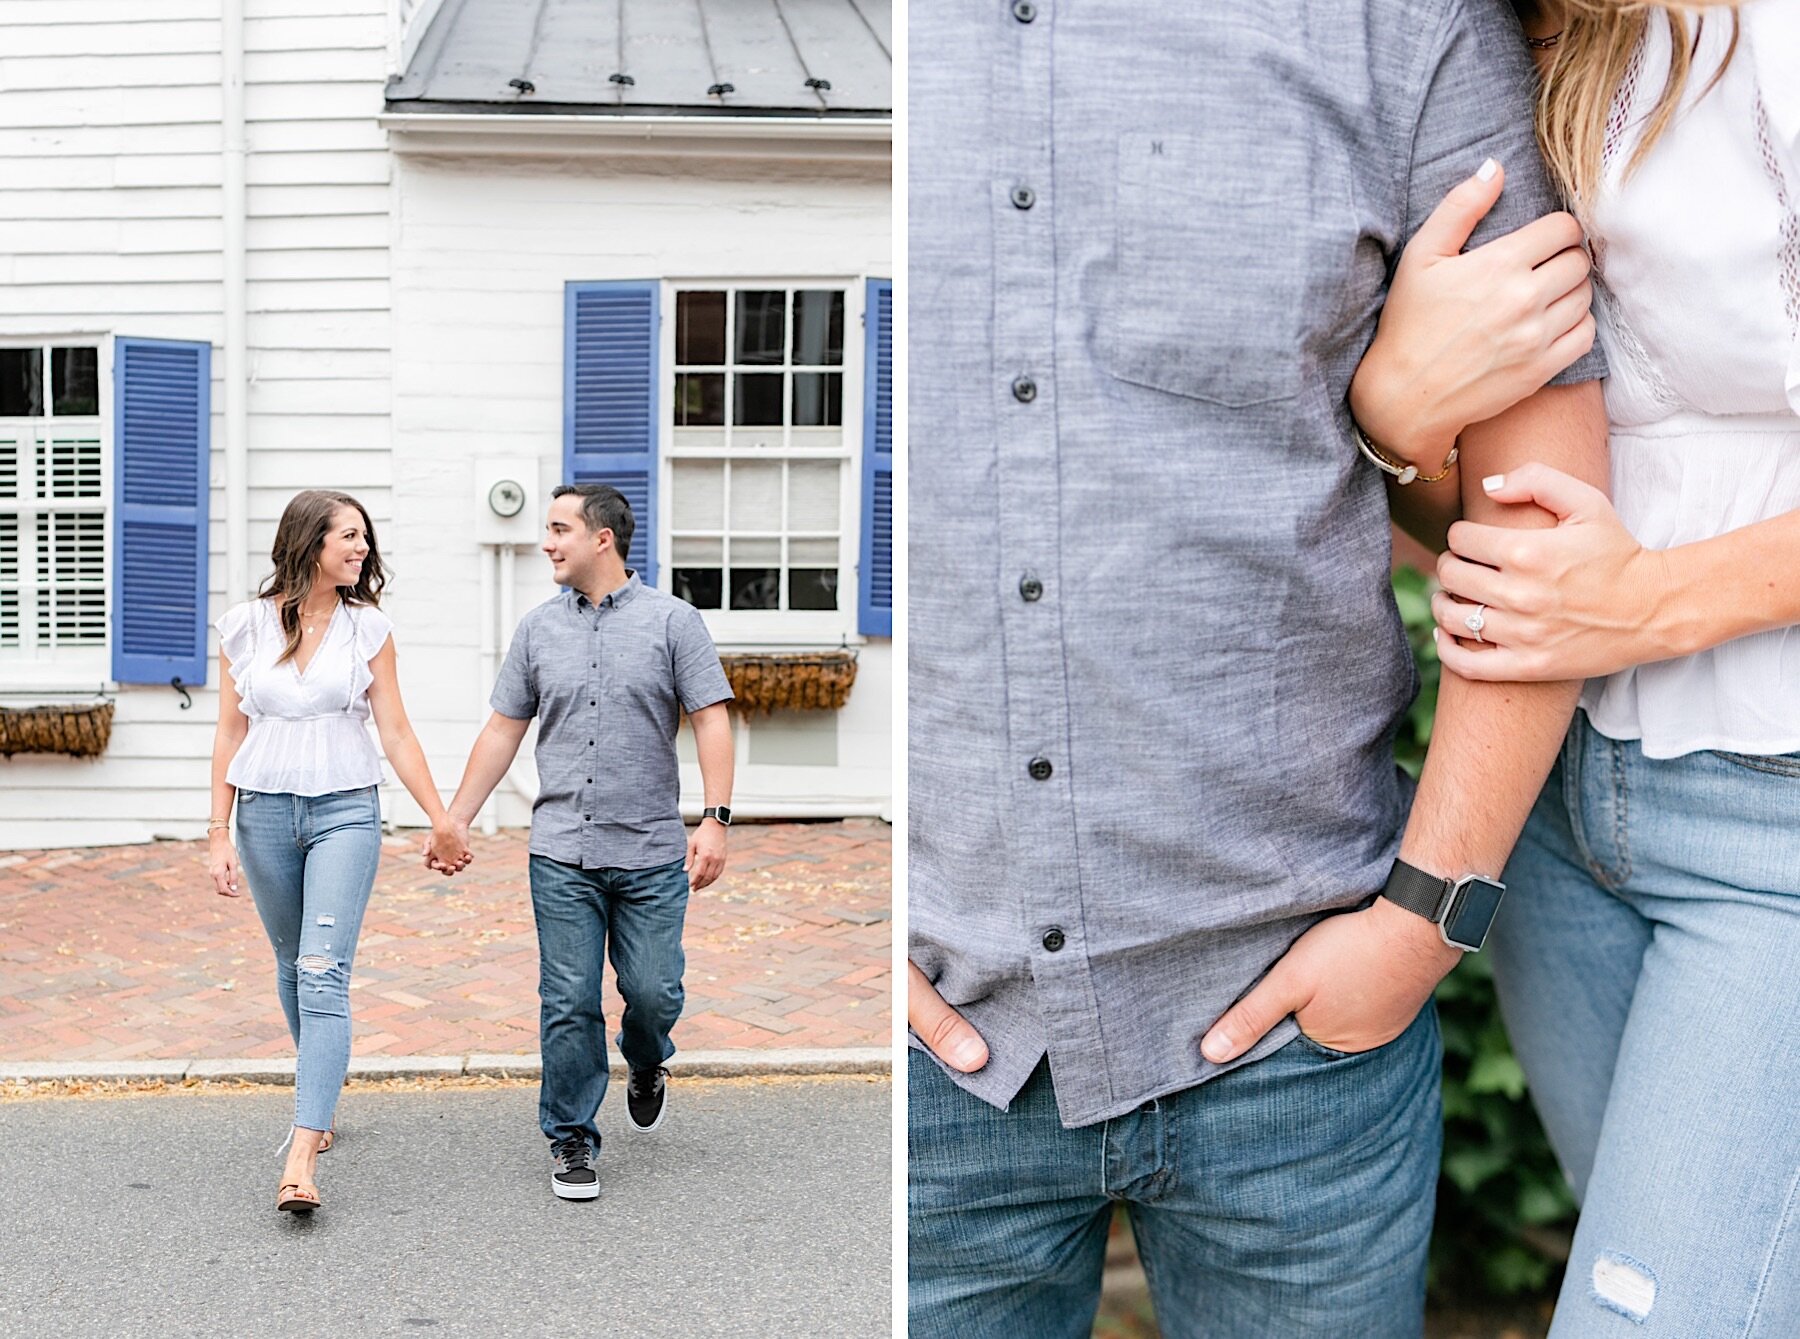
309, 733
1699, 313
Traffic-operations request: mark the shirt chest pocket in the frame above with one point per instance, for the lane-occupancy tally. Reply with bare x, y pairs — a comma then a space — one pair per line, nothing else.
1233, 245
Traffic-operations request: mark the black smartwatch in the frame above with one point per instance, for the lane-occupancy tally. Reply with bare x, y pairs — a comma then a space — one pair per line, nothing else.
719, 812
1462, 909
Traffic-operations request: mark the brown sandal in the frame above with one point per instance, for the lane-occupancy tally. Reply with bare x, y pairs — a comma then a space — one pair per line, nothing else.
295, 1197
326, 1140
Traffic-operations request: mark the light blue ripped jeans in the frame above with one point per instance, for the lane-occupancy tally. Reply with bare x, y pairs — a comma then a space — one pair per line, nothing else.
311, 861
1648, 960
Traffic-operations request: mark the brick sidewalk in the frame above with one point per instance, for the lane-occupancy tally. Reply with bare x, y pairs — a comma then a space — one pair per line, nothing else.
125, 952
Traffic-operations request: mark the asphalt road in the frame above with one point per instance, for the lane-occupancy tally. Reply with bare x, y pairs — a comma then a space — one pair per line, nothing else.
760, 1208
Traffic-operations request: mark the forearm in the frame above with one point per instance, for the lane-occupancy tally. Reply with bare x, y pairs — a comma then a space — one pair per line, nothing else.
407, 757
1720, 589
1492, 744
226, 743
488, 760
1427, 511
714, 747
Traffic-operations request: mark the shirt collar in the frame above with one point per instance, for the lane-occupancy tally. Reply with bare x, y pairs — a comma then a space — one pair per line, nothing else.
623, 595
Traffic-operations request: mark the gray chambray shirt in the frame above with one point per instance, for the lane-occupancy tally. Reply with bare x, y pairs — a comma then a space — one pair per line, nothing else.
1155, 664
608, 684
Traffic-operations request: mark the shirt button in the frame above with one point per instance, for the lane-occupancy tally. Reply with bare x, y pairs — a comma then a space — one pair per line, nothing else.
1023, 197
1053, 940
1031, 590
1040, 769
1024, 11
587, 818
590, 743
592, 703
1024, 390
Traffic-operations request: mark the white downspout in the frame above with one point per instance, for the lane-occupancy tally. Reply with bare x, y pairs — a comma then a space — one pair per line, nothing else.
490, 822
237, 372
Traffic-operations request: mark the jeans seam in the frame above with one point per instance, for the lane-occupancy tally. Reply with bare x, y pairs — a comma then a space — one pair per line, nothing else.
1781, 1230
1621, 815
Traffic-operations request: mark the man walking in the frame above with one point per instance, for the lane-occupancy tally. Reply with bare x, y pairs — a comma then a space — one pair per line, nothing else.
607, 666
1155, 668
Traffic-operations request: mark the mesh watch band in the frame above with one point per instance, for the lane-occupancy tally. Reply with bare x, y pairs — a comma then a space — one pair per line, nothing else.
1420, 893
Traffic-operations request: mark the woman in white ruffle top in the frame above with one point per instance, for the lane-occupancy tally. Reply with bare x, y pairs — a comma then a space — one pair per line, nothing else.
1648, 955
303, 668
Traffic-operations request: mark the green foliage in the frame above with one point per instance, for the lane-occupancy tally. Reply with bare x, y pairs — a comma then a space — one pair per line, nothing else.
1503, 1206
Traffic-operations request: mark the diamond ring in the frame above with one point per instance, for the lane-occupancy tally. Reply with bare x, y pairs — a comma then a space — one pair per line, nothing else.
1476, 621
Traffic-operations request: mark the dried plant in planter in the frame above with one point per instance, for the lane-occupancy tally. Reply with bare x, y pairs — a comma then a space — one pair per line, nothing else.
813, 681
78, 729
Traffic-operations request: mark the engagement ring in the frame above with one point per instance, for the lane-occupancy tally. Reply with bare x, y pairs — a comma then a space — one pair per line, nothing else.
1476, 621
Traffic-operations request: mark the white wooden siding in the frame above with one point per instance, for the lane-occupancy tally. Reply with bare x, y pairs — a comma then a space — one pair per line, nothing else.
481, 253
110, 148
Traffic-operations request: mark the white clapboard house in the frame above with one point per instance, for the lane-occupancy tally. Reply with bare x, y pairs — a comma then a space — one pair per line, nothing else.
441, 256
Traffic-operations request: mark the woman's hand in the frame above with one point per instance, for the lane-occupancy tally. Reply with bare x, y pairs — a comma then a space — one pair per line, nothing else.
1580, 600
1465, 335
222, 863
447, 851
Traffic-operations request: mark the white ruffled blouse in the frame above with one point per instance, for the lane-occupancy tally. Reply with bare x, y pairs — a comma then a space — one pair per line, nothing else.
1698, 304
309, 733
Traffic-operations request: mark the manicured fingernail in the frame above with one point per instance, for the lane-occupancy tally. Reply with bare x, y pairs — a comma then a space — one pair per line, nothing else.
1486, 171
1493, 481
1434, 636
1216, 1047
966, 1053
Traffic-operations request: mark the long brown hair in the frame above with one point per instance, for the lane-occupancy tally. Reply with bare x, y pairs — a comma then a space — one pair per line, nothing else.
299, 539
1592, 57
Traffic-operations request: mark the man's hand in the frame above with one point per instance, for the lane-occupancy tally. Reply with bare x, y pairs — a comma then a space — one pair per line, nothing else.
1353, 982
705, 853
940, 1027
447, 849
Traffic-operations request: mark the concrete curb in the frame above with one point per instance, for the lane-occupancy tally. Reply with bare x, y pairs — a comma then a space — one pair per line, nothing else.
698, 1064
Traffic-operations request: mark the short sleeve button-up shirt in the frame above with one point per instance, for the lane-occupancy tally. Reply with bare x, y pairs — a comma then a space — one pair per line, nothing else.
1155, 664
608, 683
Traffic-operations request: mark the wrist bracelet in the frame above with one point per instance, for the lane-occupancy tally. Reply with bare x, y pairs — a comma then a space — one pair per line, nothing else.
214, 824
1403, 474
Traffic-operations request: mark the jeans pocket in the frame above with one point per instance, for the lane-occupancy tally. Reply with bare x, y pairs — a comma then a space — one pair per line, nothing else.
1772, 764
1335, 1056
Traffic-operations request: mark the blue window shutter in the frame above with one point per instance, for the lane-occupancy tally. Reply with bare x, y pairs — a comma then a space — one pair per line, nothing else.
611, 350
162, 437
875, 599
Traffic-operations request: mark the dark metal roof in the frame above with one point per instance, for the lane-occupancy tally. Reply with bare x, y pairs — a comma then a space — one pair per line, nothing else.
685, 57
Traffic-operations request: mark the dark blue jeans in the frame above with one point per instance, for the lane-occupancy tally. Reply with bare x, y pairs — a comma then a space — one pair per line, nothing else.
642, 910
1289, 1199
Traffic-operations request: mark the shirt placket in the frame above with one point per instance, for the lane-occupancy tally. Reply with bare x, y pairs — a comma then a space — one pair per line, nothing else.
591, 854
1042, 818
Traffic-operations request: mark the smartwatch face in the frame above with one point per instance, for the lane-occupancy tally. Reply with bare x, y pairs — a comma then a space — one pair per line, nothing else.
1471, 912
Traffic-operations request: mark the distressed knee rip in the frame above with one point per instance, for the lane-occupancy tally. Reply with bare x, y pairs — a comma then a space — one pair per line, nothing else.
316, 967
1624, 1285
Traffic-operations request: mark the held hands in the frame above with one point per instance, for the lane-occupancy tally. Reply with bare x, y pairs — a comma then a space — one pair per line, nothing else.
1579, 600
1465, 335
946, 1032
447, 849
705, 854
1353, 982
222, 864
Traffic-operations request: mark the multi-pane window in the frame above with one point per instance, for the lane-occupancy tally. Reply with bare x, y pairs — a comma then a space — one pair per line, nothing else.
757, 448
52, 502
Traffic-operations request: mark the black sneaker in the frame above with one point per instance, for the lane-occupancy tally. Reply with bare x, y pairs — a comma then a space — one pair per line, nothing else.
646, 1097
572, 1174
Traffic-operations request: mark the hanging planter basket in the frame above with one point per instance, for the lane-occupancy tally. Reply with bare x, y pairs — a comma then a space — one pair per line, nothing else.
814, 681
80, 730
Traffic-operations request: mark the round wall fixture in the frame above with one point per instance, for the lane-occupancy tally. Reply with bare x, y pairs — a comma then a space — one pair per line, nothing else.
506, 498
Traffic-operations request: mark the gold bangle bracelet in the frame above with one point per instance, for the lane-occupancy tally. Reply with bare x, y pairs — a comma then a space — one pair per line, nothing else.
1403, 473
